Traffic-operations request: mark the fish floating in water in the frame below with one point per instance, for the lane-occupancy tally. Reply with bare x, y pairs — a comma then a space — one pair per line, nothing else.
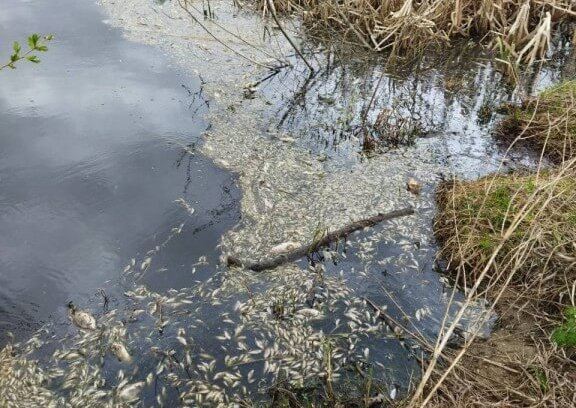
309, 313
130, 392
121, 352
413, 186
284, 248
82, 319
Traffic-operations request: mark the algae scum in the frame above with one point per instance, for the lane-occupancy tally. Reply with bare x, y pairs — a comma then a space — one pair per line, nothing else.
293, 142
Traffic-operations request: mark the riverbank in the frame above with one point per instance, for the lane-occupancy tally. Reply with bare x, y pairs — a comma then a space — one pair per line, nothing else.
546, 123
511, 239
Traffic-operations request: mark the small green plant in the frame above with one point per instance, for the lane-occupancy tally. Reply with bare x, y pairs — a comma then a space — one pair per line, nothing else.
486, 242
541, 378
36, 43
572, 217
565, 335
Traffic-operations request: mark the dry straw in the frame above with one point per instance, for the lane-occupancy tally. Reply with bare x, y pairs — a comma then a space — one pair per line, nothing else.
523, 27
511, 239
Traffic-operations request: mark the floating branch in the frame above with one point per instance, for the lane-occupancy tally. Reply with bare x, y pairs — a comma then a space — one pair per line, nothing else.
330, 237
285, 34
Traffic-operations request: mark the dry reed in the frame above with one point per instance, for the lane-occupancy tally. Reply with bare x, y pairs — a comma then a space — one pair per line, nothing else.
523, 27
510, 239
547, 122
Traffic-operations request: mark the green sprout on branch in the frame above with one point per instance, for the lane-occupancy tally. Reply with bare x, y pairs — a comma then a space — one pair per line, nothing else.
36, 43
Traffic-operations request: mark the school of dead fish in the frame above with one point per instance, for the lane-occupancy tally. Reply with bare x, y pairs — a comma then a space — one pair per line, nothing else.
228, 339
221, 342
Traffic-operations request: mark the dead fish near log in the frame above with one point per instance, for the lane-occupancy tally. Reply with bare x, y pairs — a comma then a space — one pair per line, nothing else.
82, 319
299, 251
413, 186
131, 392
284, 248
121, 352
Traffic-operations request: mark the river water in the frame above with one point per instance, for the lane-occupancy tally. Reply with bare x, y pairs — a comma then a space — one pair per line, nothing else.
98, 141
130, 164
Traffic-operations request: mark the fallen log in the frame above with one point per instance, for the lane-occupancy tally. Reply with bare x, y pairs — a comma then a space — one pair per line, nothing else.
302, 251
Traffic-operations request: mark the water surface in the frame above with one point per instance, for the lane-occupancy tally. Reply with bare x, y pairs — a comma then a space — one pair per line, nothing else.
97, 142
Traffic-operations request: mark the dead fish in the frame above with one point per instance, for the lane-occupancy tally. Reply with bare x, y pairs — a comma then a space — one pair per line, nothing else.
393, 392
130, 392
413, 186
145, 264
81, 318
309, 313
121, 352
284, 247
287, 139
184, 204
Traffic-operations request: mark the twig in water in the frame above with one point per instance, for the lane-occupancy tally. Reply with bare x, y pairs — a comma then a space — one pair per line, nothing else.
328, 238
105, 298
285, 34
184, 5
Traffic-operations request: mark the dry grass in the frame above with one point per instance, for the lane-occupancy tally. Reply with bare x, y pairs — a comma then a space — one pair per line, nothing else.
547, 122
523, 28
516, 367
476, 215
512, 240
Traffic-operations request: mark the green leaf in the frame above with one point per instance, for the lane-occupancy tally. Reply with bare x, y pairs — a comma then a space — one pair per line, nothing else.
14, 57
16, 47
42, 48
33, 40
33, 58
565, 335
570, 313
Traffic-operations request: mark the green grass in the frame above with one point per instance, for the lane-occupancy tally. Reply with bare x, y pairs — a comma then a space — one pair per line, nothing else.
475, 214
487, 243
565, 335
559, 91
541, 377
